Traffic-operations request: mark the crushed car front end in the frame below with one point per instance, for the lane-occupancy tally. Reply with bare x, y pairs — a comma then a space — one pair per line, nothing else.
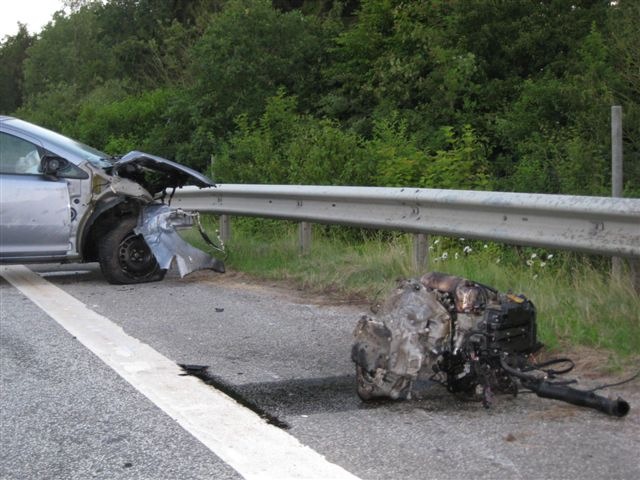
132, 231
76, 203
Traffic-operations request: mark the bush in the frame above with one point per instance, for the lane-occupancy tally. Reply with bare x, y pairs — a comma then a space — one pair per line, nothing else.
133, 122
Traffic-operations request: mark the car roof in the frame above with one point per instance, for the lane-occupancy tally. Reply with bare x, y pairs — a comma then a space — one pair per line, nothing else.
6, 118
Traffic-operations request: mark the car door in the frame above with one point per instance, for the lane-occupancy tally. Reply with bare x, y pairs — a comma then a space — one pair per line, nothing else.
35, 218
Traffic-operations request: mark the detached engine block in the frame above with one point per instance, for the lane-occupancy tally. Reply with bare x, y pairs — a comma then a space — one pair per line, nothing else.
467, 336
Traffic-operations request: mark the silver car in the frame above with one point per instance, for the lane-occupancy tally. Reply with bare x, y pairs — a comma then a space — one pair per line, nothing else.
63, 201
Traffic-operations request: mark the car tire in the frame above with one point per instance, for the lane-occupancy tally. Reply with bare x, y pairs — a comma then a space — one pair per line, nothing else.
125, 257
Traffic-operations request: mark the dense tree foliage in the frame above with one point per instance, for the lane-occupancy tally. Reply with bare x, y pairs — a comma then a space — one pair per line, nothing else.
473, 94
13, 52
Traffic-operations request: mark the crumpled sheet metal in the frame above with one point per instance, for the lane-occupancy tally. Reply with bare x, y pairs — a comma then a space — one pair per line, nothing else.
390, 353
157, 224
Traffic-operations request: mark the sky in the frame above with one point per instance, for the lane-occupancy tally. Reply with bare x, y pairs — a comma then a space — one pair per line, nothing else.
34, 13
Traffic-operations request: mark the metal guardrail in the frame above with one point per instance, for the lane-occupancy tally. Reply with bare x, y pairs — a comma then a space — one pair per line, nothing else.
600, 225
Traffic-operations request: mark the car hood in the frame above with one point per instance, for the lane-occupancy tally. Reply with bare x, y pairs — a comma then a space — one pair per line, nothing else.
156, 173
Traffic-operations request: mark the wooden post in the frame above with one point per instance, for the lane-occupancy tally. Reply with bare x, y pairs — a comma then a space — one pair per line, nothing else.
634, 267
304, 236
420, 257
225, 228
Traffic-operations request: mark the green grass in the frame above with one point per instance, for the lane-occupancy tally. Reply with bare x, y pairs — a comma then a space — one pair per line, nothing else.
578, 304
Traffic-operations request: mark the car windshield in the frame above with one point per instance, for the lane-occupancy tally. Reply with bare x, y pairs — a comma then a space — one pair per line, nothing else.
93, 156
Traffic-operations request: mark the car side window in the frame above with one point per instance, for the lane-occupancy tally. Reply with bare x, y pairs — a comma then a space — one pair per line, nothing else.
18, 155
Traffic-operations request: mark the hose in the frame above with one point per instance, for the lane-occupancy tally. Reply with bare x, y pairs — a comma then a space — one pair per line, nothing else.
557, 391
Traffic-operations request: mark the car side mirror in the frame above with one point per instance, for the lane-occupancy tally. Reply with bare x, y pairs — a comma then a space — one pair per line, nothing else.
52, 164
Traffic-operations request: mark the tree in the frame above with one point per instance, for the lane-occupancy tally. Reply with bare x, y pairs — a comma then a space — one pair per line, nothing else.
150, 39
13, 52
68, 51
62, 66
401, 58
544, 95
288, 147
625, 60
247, 54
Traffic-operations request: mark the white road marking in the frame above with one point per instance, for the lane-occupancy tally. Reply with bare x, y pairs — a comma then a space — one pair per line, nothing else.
237, 435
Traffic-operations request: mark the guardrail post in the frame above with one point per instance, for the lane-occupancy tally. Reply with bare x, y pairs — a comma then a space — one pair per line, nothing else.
304, 236
225, 228
634, 267
420, 257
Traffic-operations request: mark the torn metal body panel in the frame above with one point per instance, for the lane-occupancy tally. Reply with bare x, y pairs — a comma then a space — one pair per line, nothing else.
129, 188
171, 174
158, 225
468, 337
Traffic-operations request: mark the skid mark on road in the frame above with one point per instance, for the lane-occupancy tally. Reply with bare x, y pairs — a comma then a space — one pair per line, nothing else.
237, 435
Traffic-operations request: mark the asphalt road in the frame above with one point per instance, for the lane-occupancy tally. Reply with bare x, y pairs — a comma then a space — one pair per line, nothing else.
66, 414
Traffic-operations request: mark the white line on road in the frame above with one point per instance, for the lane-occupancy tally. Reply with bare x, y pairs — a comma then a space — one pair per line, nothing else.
237, 435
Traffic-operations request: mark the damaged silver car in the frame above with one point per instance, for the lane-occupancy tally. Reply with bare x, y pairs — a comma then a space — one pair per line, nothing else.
63, 201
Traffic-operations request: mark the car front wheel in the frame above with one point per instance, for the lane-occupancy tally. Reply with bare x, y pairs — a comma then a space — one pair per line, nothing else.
125, 257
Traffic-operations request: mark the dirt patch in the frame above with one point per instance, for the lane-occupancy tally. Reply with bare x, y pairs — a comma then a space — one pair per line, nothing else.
286, 289
595, 367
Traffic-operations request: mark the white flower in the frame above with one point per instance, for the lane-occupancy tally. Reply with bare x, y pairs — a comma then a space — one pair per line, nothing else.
542, 264
456, 255
497, 260
530, 262
534, 255
467, 249
485, 246
436, 241
445, 255
550, 256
